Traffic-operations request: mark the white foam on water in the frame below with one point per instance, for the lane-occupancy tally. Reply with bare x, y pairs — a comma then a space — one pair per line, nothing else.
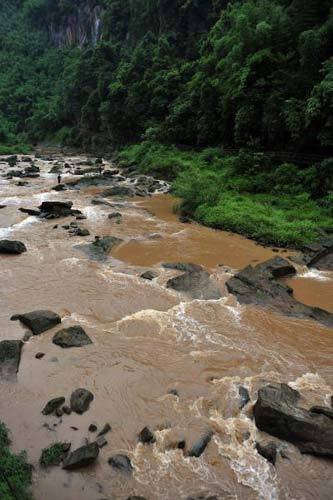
11, 200
311, 381
40, 197
6, 231
93, 213
72, 262
316, 274
251, 469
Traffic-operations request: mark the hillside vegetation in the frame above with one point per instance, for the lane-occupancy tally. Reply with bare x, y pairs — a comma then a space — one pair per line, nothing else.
229, 80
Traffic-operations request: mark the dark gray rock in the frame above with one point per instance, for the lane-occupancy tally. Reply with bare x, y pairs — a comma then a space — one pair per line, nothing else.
74, 336
12, 247
40, 355
118, 191
276, 412
10, 357
244, 396
30, 211
322, 410
92, 428
121, 463
66, 409
268, 451
182, 266
318, 255
80, 400
100, 248
101, 441
197, 284
81, 457
38, 321
146, 436
149, 275
115, 215
53, 405
277, 267
256, 285
106, 428
136, 497
200, 445
59, 187
56, 209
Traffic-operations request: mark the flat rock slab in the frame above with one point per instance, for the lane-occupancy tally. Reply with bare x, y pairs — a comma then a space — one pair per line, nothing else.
276, 412
12, 247
10, 357
80, 400
38, 321
74, 336
197, 284
258, 285
100, 248
318, 255
82, 457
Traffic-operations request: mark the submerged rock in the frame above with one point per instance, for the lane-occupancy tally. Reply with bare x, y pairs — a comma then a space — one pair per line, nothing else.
80, 400
268, 451
146, 436
74, 336
38, 321
12, 247
121, 462
52, 405
118, 191
258, 285
81, 457
100, 248
10, 357
244, 396
201, 444
197, 284
182, 266
276, 412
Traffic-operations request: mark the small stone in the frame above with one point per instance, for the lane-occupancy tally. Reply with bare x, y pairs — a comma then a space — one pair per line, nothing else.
74, 428
101, 441
174, 392
121, 462
40, 355
105, 430
80, 400
92, 428
52, 405
148, 275
59, 412
66, 409
146, 436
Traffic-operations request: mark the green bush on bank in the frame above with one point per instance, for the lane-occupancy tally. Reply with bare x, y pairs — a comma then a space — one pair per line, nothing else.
15, 473
246, 193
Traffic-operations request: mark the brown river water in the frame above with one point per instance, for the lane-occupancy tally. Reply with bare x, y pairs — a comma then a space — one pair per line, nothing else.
148, 340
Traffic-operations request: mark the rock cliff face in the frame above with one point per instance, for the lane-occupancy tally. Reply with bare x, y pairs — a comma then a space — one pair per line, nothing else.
80, 27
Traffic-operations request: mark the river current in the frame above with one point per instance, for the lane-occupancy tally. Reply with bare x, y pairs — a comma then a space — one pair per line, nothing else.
158, 358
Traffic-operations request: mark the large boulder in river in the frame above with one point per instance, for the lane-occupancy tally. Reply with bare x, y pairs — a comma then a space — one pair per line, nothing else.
258, 285
81, 457
197, 283
100, 248
55, 209
74, 336
276, 412
12, 247
38, 321
80, 400
10, 356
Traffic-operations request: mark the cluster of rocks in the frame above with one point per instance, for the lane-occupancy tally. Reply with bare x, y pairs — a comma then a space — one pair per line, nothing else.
80, 400
53, 210
318, 255
31, 172
261, 285
75, 229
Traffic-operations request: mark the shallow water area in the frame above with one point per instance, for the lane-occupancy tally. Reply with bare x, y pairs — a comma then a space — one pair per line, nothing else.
148, 341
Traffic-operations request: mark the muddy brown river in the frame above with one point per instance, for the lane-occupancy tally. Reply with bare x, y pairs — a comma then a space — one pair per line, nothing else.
147, 341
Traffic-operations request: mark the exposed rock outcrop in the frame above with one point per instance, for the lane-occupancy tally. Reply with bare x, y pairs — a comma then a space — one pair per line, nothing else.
74, 336
38, 321
12, 247
277, 413
81, 457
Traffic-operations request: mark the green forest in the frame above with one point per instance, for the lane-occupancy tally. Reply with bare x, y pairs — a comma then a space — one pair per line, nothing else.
232, 101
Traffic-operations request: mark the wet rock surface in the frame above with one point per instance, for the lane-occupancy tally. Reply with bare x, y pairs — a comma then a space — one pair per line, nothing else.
10, 357
258, 285
318, 255
12, 247
82, 457
277, 413
100, 248
80, 400
73, 336
38, 321
57, 209
196, 283
121, 462
52, 405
